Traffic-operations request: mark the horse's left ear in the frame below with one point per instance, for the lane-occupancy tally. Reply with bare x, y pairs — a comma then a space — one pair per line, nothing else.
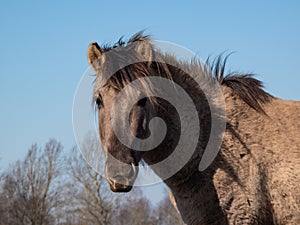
95, 56
144, 49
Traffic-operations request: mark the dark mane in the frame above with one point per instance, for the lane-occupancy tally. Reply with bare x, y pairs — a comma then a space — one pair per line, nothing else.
121, 43
249, 89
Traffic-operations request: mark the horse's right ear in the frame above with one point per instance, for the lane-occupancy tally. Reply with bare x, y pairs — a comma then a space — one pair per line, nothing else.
95, 56
144, 49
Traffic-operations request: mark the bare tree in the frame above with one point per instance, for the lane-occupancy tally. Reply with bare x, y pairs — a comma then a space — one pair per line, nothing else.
30, 188
35, 191
167, 214
135, 209
91, 201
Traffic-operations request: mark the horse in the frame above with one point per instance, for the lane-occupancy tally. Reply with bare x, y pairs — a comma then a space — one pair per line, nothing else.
255, 175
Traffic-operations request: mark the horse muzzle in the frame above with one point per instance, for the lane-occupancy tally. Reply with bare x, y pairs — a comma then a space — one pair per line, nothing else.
123, 179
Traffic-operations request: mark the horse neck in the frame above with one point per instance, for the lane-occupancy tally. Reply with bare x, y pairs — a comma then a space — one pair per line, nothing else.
170, 116
193, 190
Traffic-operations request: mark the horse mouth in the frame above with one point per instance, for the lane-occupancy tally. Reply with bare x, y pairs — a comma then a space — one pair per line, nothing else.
120, 187
122, 182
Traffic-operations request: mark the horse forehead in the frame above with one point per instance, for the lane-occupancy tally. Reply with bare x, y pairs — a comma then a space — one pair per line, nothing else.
108, 91
112, 96
125, 94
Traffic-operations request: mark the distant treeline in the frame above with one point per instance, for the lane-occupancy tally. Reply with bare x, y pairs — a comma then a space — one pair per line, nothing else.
49, 187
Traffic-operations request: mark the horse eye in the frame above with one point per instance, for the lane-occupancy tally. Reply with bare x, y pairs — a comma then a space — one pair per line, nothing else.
99, 101
142, 102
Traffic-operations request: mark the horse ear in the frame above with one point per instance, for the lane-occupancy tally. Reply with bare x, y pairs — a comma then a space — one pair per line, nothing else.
95, 56
144, 49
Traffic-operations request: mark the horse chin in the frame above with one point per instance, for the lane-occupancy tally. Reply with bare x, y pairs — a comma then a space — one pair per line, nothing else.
120, 188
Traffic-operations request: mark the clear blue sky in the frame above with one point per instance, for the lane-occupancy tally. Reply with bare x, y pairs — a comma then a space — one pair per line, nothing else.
43, 52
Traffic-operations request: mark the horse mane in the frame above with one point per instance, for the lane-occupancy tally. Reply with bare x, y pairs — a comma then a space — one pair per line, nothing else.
121, 43
248, 88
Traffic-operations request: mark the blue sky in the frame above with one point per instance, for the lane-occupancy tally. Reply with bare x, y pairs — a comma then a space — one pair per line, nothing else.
43, 52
